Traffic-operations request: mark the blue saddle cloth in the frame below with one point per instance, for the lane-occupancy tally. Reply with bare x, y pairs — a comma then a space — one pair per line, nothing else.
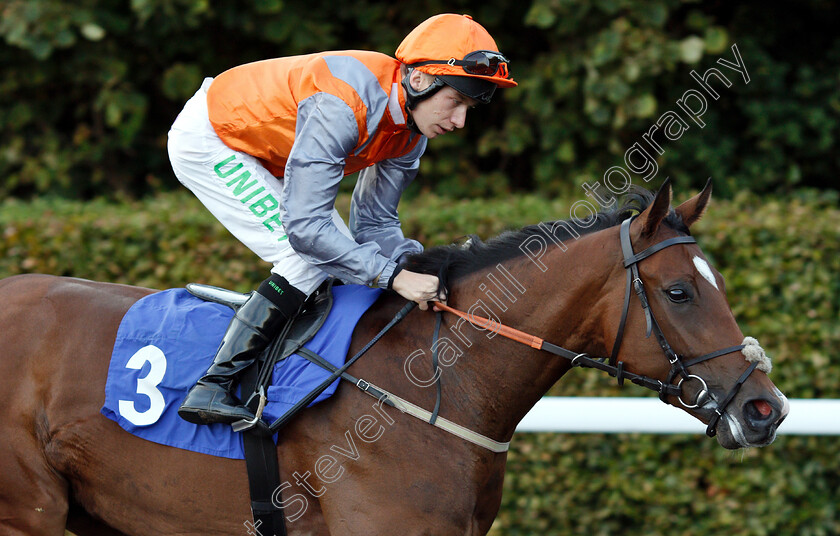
167, 340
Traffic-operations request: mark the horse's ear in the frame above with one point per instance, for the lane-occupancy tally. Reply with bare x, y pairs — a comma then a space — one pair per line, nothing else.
693, 209
652, 216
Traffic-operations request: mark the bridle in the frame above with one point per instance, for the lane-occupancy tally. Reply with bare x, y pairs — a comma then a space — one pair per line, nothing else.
679, 367
614, 367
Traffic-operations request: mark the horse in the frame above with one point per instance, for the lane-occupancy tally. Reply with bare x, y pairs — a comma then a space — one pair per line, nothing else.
351, 464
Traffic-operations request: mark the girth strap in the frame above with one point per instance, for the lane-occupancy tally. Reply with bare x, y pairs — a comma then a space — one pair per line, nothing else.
263, 472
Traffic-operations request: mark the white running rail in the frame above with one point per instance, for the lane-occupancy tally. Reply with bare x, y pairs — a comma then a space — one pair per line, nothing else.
650, 416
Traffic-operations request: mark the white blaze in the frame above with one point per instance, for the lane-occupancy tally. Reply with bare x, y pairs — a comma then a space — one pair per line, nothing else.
705, 271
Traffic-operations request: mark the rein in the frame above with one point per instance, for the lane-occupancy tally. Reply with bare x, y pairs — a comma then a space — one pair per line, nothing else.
577, 359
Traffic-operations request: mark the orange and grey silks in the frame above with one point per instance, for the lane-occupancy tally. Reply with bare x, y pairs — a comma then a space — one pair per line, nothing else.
311, 120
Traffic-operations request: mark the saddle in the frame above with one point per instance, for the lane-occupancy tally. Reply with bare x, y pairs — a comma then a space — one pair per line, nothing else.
298, 332
303, 327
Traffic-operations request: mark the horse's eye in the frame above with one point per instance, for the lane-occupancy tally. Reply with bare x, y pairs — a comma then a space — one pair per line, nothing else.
677, 295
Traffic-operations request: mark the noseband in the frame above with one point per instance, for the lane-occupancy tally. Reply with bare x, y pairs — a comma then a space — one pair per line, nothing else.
614, 367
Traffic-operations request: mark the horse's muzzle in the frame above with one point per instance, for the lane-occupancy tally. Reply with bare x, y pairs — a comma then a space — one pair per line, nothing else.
757, 424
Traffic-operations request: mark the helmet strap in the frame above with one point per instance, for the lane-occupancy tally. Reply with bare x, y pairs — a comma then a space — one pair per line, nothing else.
413, 97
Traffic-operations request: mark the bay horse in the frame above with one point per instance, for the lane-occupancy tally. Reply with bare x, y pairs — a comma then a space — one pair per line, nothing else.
351, 465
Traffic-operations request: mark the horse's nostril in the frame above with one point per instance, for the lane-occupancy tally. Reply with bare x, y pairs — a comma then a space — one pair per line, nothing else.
760, 413
764, 409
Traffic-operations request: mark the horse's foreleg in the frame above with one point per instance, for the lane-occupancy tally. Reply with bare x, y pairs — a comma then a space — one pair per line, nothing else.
33, 498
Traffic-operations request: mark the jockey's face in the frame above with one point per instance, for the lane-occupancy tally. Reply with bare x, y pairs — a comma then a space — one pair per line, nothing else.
443, 112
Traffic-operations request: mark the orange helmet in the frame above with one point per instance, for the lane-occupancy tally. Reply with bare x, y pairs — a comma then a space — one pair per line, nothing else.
459, 52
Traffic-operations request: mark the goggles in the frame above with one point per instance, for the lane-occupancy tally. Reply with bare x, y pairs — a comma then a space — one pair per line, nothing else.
479, 62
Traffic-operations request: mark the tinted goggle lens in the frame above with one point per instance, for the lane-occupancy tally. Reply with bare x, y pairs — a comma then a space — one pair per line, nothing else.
479, 62
484, 63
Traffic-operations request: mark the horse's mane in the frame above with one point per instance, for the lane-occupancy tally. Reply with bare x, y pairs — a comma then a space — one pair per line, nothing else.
454, 261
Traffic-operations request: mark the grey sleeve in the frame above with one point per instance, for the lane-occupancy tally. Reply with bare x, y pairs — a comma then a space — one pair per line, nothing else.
326, 133
373, 212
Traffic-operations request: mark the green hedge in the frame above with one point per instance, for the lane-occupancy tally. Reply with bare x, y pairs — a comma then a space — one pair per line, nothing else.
90, 88
780, 258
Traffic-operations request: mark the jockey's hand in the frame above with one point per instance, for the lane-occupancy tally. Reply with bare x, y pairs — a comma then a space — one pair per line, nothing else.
420, 288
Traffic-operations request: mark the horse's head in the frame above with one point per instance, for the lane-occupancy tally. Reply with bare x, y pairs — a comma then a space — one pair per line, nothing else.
690, 315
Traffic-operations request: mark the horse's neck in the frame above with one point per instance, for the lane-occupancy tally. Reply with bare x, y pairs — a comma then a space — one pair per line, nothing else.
501, 379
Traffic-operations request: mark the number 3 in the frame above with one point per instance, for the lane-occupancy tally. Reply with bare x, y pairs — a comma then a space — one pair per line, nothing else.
146, 386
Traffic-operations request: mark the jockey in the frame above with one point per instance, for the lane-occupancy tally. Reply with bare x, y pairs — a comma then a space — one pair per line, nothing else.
265, 145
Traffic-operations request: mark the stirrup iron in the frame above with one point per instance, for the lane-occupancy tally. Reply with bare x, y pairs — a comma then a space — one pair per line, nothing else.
245, 424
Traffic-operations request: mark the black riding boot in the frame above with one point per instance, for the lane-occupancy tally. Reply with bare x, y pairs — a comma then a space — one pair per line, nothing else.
250, 331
